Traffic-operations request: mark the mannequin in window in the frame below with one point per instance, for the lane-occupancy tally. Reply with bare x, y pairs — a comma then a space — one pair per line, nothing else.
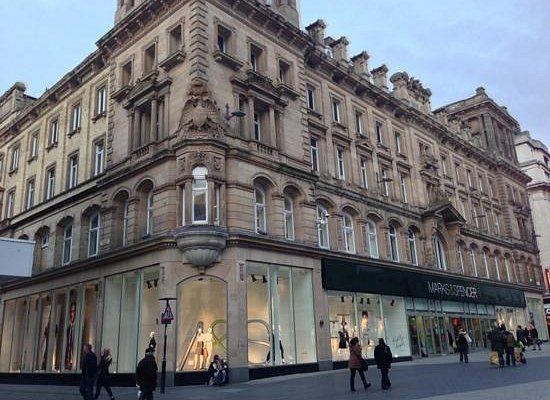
343, 335
152, 341
200, 349
70, 338
208, 343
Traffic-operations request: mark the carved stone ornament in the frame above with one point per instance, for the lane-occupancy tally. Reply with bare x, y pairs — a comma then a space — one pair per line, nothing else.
200, 117
213, 162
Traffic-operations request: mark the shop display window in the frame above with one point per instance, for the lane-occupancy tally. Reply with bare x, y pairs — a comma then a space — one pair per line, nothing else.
60, 304
7, 332
343, 324
395, 325
536, 317
89, 313
71, 345
202, 322
149, 315
17, 338
30, 334
281, 327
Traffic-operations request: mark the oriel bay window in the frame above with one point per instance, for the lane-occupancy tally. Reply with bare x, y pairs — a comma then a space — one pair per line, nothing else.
201, 199
199, 196
281, 327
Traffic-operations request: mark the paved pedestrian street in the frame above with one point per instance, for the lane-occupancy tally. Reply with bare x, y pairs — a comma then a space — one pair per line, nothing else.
437, 378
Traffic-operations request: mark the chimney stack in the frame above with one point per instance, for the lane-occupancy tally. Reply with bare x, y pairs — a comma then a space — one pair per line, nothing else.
340, 50
316, 31
380, 77
361, 64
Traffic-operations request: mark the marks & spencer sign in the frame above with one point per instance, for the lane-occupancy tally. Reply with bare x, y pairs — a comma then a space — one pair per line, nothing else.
364, 278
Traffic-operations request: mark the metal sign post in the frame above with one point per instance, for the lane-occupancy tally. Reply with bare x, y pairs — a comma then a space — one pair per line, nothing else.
166, 319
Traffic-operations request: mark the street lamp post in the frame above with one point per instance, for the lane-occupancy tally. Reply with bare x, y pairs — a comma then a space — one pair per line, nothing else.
166, 318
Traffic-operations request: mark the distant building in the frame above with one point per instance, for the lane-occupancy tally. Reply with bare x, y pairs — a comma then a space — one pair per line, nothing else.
212, 151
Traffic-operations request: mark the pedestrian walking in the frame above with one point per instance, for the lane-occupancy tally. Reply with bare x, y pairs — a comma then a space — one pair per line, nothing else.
527, 336
103, 375
88, 365
509, 347
534, 335
497, 344
520, 335
463, 345
356, 364
146, 375
383, 358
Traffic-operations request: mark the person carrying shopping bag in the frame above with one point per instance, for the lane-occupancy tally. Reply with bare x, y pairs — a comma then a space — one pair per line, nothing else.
356, 364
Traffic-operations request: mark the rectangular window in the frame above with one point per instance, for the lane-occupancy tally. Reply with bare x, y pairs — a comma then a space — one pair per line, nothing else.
496, 219
284, 73
403, 184
255, 58
378, 130
398, 143
14, 159
359, 122
314, 149
50, 183
34, 146
385, 182
150, 58
1, 166
480, 182
364, 174
176, 39
72, 180
54, 132
76, 117
335, 110
99, 153
458, 174
310, 98
29, 201
101, 100
341, 163
469, 178
257, 127
444, 165
224, 36
126, 74
10, 203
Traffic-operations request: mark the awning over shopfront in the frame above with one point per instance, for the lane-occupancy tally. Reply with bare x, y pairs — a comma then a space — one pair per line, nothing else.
363, 278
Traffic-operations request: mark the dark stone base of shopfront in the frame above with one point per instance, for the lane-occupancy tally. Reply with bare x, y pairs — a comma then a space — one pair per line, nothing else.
117, 380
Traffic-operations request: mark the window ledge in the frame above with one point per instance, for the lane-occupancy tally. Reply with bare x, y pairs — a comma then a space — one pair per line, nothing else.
172, 60
287, 90
74, 132
99, 116
229, 61
51, 146
12, 171
314, 113
339, 125
31, 159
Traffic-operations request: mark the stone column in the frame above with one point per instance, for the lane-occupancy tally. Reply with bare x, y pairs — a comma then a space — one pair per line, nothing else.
137, 129
248, 129
272, 128
131, 138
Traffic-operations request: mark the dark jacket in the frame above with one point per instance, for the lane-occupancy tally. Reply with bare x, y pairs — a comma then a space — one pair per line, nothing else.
89, 365
383, 356
509, 339
534, 334
497, 340
146, 374
462, 342
355, 357
104, 364
520, 335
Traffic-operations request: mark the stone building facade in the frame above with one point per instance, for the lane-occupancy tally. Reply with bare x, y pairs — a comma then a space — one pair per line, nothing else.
534, 160
212, 152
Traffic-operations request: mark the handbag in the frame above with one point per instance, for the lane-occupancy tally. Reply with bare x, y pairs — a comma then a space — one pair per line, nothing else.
364, 364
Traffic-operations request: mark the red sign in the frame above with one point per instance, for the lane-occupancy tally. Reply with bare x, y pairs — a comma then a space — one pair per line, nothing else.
167, 316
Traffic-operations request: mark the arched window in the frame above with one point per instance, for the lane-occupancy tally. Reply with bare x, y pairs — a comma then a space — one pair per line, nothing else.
93, 234
288, 212
372, 238
507, 267
473, 262
67, 243
349, 234
125, 219
200, 196
259, 211
412, 247
485, 263
120, 221
149, 206
439, 253
322, 227
497, 267
460, 256
394, 250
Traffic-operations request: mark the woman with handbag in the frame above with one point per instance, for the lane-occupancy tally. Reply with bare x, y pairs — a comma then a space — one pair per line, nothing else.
356, 364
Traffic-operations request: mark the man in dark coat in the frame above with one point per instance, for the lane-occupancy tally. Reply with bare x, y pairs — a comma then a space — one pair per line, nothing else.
509, 347
383, 358
520, 335
534, 335
146, 375
88, 365
104, 376
462, 346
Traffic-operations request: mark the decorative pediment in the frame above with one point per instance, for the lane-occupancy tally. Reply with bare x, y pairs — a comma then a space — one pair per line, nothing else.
445, 210
200, 117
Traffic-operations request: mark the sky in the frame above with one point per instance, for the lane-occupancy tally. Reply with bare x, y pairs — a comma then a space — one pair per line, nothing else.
451, 46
